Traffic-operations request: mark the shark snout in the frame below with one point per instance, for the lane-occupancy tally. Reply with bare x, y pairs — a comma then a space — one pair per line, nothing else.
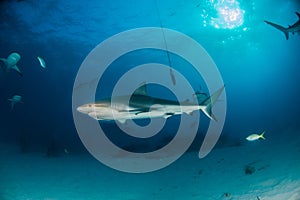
84, 109
80, 109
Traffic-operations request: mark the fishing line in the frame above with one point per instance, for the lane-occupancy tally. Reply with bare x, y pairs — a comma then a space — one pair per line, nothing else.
166, 46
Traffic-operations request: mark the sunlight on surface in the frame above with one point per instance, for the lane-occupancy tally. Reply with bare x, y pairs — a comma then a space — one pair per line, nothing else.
229, 14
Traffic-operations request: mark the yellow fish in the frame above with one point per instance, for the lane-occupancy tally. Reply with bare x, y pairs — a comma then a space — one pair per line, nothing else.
254, 137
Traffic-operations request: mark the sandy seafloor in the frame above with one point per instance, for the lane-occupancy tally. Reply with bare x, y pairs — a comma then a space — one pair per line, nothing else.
220, 175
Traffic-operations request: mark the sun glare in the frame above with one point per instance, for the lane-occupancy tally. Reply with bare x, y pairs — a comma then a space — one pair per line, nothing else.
229, 14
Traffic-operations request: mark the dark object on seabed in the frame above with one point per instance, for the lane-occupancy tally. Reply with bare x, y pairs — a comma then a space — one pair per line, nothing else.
249, 169
227, 195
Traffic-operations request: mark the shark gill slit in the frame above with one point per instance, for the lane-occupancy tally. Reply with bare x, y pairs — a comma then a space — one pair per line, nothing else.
166, 46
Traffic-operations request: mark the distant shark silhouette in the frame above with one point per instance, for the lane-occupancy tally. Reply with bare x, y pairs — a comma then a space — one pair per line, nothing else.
295, 28
11, 62
15, 99
142, 106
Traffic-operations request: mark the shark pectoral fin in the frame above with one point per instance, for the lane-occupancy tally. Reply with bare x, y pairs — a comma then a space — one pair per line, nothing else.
122, 121
167, 115
298, 14
94, 115
15, 67
281, 28
189, 112
12, 105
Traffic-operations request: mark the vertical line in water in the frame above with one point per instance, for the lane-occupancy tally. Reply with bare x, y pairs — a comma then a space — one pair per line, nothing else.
166, 46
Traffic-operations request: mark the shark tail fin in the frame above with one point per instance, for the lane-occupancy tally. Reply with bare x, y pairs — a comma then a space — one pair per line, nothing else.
210, 101
281, 28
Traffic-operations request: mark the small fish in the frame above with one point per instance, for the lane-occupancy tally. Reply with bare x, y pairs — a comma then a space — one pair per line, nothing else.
66, 151
254, 137
42, 62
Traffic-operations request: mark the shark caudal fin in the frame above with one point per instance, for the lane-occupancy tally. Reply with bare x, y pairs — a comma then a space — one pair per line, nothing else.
209, 102
281, 28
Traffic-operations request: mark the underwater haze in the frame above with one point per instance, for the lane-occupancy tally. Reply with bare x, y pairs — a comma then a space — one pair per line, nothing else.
43, 157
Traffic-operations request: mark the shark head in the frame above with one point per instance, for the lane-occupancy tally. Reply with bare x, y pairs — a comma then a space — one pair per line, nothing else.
86, 108
97, 111
13, 59
93, 107
17, 98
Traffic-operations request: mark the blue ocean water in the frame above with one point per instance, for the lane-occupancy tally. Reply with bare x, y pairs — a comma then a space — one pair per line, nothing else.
258, 66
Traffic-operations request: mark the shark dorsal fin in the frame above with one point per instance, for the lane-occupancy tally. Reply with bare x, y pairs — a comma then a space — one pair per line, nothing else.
142, 90
298, 14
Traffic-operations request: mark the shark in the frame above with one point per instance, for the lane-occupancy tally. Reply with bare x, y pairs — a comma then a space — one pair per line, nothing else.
142, 106
295, 28
11, 62
15, 99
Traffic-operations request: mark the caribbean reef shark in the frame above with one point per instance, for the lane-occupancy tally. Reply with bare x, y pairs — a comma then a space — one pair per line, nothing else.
140, 106
11, 62
295, 28
15, 99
